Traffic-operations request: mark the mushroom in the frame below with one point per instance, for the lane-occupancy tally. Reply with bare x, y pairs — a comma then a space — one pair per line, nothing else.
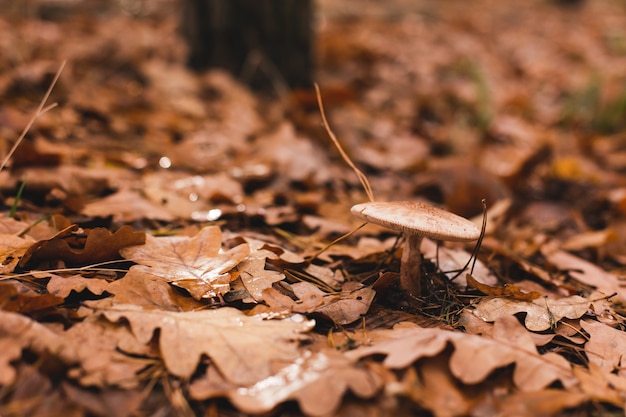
416, 220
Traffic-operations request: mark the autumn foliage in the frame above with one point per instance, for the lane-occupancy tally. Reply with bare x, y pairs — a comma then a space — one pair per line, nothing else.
170, 241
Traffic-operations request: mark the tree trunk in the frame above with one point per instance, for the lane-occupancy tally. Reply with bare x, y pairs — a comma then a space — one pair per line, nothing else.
266, 43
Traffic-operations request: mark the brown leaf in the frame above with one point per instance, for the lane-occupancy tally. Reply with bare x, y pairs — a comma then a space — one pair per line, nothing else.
242, 348
606, 347
140, 288
541, 314
548, 402
126, 206
595, 383
586, 272
111, 402
436, 389
317, 381
100, 245
475, 357
508, 290
99, 347
12, 248
63, 286
17, 297
345, 307
256, 278
196, 264
18, 332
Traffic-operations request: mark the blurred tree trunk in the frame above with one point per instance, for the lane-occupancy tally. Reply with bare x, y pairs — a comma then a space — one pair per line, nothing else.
266, 43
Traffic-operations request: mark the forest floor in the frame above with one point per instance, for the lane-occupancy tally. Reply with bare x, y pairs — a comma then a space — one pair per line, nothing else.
165, 236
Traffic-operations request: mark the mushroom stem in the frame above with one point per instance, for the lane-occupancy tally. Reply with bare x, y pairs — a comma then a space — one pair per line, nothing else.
411, 265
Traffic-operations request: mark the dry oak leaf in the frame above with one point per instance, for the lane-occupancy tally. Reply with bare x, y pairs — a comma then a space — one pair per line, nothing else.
606, 347
197, 264
141, 288
127, 206
475, 357
317, 381
19, 332
541, 314
100, 245
242, 348
586, 272
12, 248
436, 389
256, 278
108, 353
17, 297
63, 286
344, 307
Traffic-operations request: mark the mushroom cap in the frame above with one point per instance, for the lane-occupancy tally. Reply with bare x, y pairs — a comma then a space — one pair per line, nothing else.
417, 218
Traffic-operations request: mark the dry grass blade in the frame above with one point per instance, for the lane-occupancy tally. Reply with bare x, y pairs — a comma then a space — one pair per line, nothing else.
40, 111
362, 178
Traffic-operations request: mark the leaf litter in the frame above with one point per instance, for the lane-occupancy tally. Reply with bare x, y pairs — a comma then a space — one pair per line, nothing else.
178, 247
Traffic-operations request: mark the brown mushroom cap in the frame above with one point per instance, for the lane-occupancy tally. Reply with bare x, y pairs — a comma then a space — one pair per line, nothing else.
417, 218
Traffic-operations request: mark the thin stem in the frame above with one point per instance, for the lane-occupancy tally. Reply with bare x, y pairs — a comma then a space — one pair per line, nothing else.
40, 110
362, 178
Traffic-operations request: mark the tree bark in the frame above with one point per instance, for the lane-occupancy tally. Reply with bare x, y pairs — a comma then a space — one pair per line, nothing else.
263, 42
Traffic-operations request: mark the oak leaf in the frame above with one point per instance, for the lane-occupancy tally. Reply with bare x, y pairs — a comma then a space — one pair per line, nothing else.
256, 278
19, 332
100, 245
586, 272
127, 206
108, 353
63, 286
344, 307
475, 357
139, 288
317, 381
197, 264
606, 347
17, 297
541, 314
242, 348
12, 248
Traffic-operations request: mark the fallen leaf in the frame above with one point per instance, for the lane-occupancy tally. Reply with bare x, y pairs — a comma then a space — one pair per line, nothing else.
126, 206
541, 314
140, 288
475, 357
100, 245
112, 402
12, 248
99, 347
19, 332
595, 383
606, 347
508, 291
434, 388
63, 286
17, 297
242, 348
317, 381
256, 278
197, 264
548, 402
344, 307
585, 272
